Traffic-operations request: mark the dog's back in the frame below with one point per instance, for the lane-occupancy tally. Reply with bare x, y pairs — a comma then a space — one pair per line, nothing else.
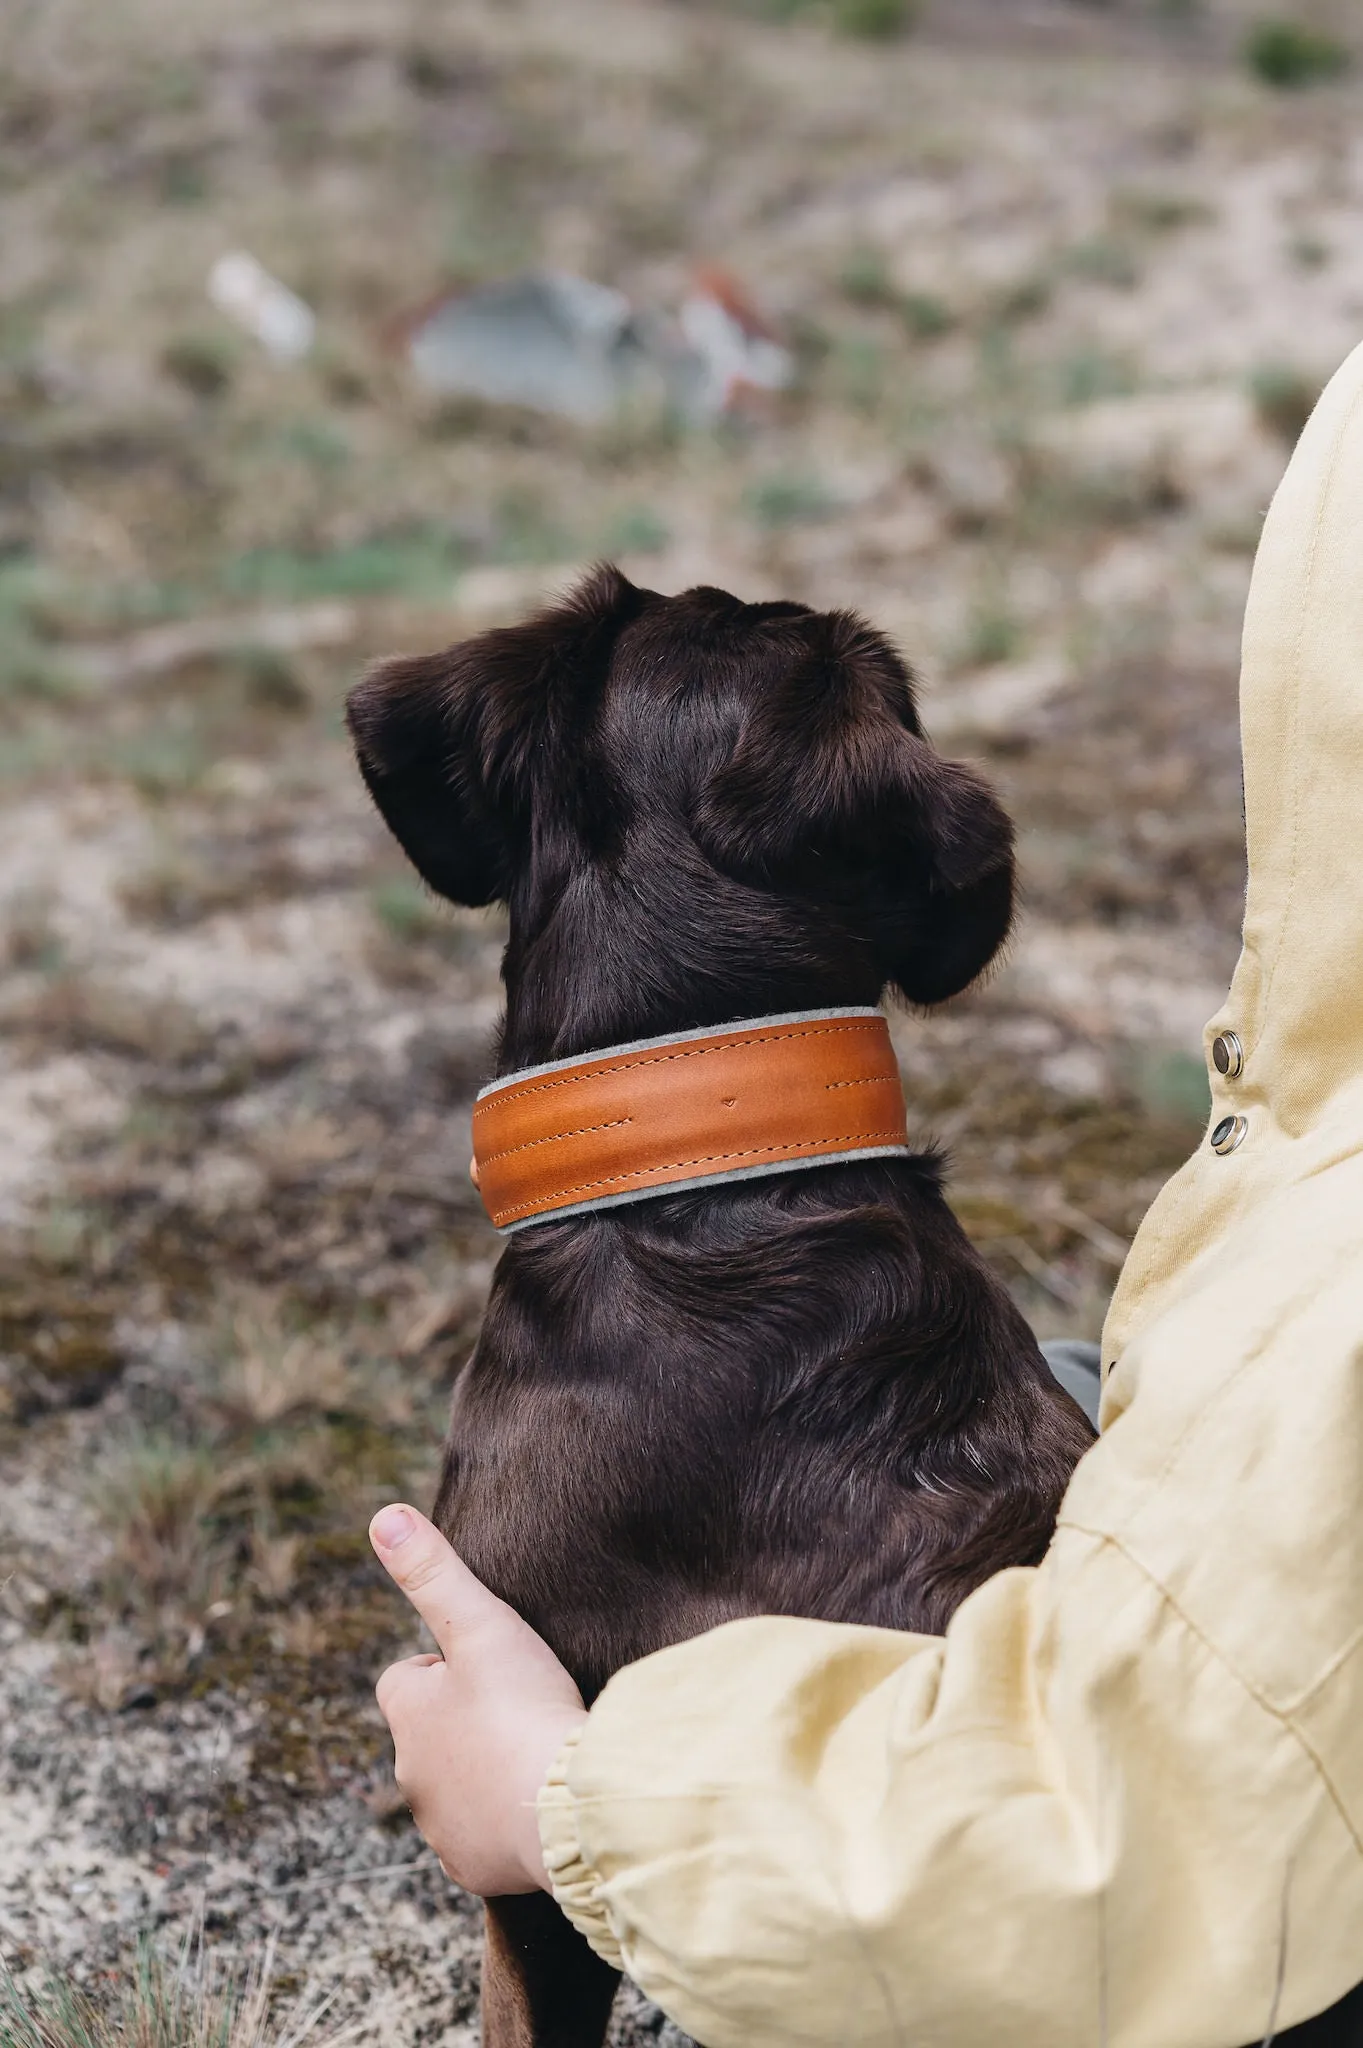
802, 1395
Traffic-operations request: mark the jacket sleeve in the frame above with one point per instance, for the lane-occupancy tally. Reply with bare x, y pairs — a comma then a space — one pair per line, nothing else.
1121, 1801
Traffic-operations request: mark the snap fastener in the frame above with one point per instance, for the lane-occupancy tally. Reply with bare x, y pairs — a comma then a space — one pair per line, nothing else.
1229, 1133
1228, 1055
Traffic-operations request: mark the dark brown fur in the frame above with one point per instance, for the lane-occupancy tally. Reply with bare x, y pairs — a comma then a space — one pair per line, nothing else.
803, 1394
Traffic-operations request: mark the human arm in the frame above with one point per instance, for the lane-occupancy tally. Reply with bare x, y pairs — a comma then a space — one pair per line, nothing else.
1090, 1810
1122, 1799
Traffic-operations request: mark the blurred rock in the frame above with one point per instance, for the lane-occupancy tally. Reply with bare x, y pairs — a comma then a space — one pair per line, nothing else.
567, 345
555, 342
283, 324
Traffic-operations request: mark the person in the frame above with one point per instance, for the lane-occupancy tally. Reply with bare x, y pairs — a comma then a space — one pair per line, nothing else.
1121, 1800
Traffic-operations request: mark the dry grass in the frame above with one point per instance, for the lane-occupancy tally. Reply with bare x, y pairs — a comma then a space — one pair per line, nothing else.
193, 1999
157, 1496
263, 1468
268, 1375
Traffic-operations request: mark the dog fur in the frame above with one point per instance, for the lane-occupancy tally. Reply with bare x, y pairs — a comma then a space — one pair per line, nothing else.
804, 1394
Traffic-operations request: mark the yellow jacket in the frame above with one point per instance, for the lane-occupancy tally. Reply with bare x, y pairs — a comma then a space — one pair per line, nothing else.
1122, 1800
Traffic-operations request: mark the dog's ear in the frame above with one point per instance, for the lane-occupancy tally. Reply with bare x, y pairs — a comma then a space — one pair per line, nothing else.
414, 721
445, 742
832, 788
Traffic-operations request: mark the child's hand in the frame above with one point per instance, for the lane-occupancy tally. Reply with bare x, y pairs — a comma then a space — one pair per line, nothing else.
475, 1729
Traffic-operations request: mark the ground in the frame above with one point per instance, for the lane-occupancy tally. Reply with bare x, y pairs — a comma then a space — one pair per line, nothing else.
1060, 282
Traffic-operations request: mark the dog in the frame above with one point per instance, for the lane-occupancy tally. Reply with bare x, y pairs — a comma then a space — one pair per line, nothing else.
803, 1393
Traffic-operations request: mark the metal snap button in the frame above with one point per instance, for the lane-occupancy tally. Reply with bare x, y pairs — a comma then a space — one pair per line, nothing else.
1229, 1133
1228, 1055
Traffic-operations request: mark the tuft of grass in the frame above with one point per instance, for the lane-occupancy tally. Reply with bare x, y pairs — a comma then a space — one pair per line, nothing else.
789, 498
418, 563
184, 182
1284, 398
1105, 259
876, 21
1289, 56
1088, 374
269, 678
528, 530
156, 1496
1025, 299
414, 932
29, 938
1160, 210
83, 1012
635, 530
269, 1374
925, 315
1173, 1085
30, 664
317, 442
195, 1999
175, 890
1309, 252
859, 372
865, 279
992, 635
201, 364
160, 761
406, 911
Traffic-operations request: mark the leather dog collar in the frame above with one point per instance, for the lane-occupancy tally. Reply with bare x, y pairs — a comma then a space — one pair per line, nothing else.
731, 1102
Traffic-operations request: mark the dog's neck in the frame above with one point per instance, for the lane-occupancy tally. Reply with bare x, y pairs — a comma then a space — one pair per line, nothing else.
607, 966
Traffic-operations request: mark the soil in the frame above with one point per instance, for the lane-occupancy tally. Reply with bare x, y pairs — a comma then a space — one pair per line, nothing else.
1060, 282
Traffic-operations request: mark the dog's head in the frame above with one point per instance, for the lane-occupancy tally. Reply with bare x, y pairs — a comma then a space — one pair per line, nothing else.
694, 808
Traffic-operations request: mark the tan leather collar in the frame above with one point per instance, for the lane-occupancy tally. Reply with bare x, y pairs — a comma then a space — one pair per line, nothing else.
737, 1100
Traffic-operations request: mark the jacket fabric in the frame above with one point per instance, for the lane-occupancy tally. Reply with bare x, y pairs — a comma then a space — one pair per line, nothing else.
1122, 1800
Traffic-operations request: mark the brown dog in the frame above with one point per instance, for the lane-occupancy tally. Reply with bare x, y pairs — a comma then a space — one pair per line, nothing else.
800, 1394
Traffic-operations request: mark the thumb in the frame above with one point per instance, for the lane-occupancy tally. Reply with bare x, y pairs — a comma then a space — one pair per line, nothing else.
450, 1600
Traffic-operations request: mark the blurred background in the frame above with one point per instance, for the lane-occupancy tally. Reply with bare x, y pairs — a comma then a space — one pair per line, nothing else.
357, 325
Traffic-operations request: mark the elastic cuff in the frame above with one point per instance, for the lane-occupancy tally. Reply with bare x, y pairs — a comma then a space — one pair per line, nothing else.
577, 1887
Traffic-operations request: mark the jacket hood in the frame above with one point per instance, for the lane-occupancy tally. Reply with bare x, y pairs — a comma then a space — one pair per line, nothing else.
1296, 1000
